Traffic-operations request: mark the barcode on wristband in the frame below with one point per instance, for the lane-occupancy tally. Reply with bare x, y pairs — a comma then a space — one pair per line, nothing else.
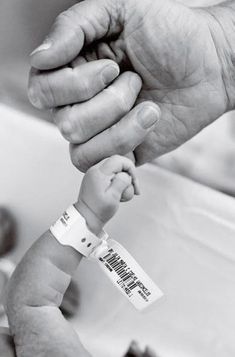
127, 275
127, 278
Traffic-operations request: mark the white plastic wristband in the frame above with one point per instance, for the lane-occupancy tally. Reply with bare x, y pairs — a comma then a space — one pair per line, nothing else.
115, 261
71, 230
126, 274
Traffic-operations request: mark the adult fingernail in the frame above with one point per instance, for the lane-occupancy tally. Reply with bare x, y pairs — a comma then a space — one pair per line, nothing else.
148, 116
110, 73
43, 47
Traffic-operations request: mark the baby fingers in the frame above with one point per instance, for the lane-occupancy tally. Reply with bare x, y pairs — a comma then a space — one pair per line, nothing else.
117, 164
119, 184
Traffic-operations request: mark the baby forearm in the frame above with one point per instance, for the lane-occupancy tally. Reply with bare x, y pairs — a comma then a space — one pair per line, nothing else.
43, 331
33, 298
43, 275
37, 286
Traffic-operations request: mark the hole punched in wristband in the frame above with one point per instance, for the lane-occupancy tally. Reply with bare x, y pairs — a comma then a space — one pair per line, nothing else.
115, 261
71, 230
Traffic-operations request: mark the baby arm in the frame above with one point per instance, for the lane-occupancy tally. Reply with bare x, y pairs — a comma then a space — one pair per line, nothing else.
40, 281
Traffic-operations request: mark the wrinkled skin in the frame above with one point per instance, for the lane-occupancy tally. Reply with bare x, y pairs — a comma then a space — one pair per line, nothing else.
171, 47
180, 72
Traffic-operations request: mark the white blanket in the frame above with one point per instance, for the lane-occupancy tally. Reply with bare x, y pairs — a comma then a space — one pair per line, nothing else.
182, 233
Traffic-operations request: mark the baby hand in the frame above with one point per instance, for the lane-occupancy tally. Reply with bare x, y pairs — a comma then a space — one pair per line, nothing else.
103, 188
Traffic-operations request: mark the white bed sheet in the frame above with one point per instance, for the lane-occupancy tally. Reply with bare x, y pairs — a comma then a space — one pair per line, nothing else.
182, 233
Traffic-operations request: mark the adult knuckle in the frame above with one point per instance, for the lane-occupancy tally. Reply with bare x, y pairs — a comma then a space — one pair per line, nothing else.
119, 141
36, 93
121, 100
44, 92
73, 79
82, 132
79, 159
63, 18
65, 131
84, 87
72, 126
79, 82
64, 122
124, 102
65, 21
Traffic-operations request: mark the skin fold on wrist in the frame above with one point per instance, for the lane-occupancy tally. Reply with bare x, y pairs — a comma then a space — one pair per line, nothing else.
221, 22
93, 222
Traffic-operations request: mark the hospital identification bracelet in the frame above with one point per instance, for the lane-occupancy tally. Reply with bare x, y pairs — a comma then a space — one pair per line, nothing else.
116, 262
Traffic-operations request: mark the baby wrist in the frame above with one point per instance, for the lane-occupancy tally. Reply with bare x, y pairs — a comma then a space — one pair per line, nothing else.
71, 230
93, 222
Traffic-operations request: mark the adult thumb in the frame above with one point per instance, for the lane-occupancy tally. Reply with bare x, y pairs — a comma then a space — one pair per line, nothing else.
80, 25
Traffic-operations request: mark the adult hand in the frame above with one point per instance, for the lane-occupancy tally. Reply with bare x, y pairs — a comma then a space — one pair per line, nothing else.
182, 56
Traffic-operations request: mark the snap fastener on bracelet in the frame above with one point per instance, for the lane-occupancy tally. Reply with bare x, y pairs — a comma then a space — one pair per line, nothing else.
71, 230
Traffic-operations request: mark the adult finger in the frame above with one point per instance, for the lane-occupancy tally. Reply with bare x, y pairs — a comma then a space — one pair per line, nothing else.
81, 24
121, 138
80, 122
49, 89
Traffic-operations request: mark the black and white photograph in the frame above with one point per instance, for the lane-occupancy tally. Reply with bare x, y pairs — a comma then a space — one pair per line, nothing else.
117, 178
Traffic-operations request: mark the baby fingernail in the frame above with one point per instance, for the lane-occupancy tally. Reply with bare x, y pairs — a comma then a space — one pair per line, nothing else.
148, 116
43, 47
110, 73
